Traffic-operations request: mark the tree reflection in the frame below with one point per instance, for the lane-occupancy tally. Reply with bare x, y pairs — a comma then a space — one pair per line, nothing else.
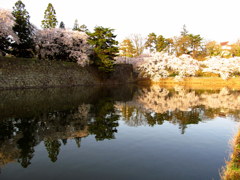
53, 149
26, 143
67, 123
105, 122
155, 105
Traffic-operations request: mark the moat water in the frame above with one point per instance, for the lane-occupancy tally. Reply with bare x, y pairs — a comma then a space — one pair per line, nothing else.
116, 132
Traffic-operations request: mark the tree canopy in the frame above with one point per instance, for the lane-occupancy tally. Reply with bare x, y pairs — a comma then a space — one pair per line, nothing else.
104, 46
50, 19
24, 30
127, 49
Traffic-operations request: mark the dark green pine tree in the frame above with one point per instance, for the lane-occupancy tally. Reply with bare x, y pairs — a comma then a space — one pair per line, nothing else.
62, 25
104, 47
24, 30
50, 19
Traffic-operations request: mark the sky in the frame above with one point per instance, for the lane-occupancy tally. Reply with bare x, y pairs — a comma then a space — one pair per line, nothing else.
212, 19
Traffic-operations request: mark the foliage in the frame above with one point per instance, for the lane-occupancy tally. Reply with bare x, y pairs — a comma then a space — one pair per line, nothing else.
50, 19
83, 28
195, 44
127, 49
24, 30
162, 65
161, 43
222, 66
105, 123
188, 44
60, 44
104, 46
53, 148
77, 27
151, 42
213, 48
62, 25
7, 35
232, 170
235, 50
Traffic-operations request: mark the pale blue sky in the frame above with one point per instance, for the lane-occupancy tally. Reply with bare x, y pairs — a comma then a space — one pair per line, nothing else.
213, 19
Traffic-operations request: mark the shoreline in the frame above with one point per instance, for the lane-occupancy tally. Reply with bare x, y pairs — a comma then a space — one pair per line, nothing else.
208, 83
25, 73
232, 169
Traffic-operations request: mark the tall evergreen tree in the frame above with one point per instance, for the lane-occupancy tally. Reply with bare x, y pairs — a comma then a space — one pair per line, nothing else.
24, 31
62, 25
104, 47
50, 19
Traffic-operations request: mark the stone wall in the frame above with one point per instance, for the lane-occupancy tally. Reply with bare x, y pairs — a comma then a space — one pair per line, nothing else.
28, 73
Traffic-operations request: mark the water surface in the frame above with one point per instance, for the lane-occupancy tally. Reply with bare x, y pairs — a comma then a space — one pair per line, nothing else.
116, 132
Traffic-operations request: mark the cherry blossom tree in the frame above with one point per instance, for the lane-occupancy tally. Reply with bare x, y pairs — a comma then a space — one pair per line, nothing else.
60, 44
222, 66
163, 65
6, 33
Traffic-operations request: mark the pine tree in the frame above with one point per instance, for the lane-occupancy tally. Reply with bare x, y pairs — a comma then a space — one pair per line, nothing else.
50, 20
24, 31
104, 47
161, 43
62, 25
151, 42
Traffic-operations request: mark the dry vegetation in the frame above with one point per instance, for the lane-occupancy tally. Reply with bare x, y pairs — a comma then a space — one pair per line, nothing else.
232, 170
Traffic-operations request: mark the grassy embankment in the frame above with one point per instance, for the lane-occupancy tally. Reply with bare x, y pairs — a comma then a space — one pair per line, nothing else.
232, 169
208, 83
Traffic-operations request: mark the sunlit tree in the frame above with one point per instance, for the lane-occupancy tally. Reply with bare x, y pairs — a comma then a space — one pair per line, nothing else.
50, 19
161, 43
151, 42
213, 48
235, 49
127, 49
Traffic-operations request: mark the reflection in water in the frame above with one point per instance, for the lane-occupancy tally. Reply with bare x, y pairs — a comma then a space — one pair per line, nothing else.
104, 123
53, 116
154, 105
